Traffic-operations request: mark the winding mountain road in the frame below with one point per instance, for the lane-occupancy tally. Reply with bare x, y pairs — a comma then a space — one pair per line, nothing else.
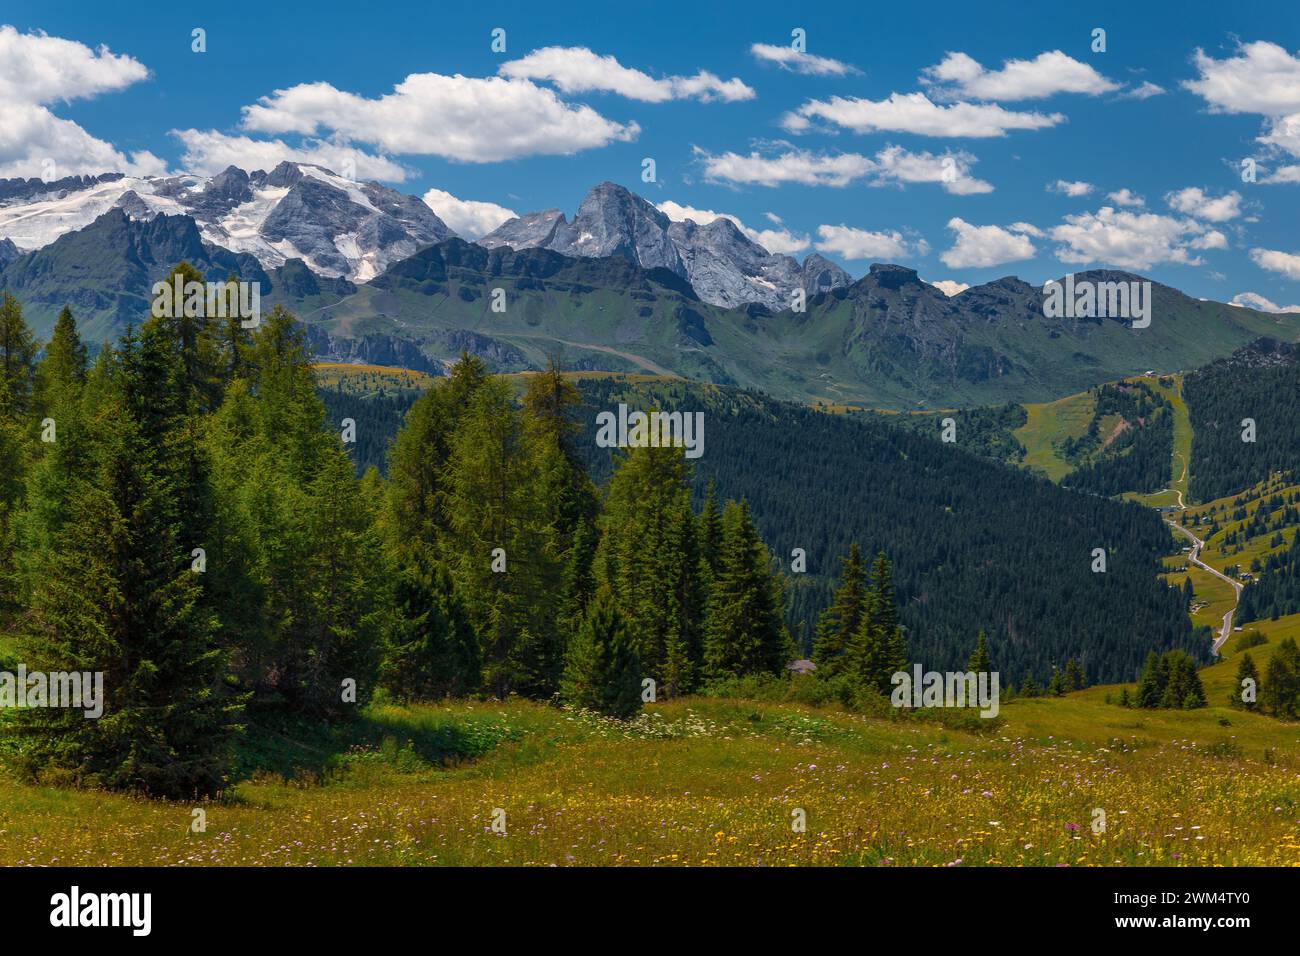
1237, 586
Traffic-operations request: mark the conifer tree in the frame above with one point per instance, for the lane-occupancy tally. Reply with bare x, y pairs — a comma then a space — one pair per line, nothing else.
745, 633
839, 623
17, 359
979, 659
118, 597
649, 558
1246, 671
1057, 686
602, 672
62, 369
1151, 685
494, 509
877, 648
1074, 679
342, 579
1281, 690
710, 534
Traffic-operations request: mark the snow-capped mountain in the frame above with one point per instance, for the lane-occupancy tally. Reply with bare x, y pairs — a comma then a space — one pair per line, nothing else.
296, 211
725, 266
341, 228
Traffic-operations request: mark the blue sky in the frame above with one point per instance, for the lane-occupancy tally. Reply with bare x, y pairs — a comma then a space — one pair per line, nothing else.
844, 149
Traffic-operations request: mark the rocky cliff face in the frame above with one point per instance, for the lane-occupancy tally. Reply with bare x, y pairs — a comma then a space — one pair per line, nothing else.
725, 266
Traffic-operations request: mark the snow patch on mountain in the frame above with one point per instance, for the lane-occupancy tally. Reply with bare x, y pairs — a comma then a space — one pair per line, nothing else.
337, 226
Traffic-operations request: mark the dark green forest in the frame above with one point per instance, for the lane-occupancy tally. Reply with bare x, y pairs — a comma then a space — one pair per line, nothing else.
974, 545
1135, 460
1276, 591
1261, 383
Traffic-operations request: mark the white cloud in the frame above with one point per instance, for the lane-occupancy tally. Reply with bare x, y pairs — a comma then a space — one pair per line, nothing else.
208, 152
950, 287
916, 113
1262, 78
795, 166
1286, 263
787, 57
1195, 203
1071, 189
1047, 74
891, 165
851, 243
1283, 174
949, 170
37, 70
1125, 197
1027, 229
1130, 240
1283, 133
982, 246
1210, 240
476, 120
1253, 300
1143, 92
467, 217
778, 241
578, 70
34, 143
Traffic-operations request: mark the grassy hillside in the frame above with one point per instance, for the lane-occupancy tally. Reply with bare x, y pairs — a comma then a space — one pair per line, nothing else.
715, 782
890, 341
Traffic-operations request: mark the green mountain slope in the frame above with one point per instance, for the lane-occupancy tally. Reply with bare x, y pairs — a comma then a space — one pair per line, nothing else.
887, 341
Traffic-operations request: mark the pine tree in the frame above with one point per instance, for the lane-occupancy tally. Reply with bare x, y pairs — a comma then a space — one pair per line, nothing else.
432, 649
1246, 671
1074, 679
649, 558
877, 649
62, 369
710, 534
494, 501
1057, 686
979, 662
17, 359
340, 639
602, 672
570, 499
745, 633
118, 597
1151, 685
1281, 690
17, 382
418, 462
1029, 688
839, 623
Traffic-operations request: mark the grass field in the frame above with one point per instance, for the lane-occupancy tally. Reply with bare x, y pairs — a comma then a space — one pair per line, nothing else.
719, 782
1049, 423
371, 379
